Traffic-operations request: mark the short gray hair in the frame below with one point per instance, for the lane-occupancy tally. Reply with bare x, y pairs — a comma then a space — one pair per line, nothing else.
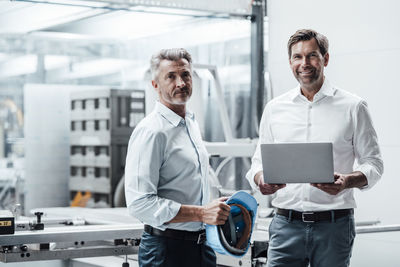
306, 35
172, 54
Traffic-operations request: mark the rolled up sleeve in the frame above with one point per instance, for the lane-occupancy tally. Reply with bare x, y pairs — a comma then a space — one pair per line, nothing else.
256, 166
366, 147
265, 137
144, 159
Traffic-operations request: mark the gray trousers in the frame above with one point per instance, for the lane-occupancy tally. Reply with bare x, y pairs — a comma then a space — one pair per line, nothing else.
293, 243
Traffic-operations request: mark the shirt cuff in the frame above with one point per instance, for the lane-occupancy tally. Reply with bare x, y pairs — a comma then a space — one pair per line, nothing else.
173, 210
368, 171
250, 177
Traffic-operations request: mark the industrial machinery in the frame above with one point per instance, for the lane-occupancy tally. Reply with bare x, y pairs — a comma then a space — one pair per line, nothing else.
101, 122
67, 236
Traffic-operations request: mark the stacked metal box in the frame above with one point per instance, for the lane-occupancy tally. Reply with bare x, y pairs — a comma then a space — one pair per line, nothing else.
101, 123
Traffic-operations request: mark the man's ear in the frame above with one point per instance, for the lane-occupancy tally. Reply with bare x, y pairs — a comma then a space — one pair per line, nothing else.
154, 84
326, 59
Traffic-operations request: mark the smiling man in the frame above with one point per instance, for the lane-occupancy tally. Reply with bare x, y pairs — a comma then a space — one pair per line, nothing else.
166, 173
314, 223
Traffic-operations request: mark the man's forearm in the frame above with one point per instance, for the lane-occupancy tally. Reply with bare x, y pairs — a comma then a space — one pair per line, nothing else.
356, 179
215, 212
188, 213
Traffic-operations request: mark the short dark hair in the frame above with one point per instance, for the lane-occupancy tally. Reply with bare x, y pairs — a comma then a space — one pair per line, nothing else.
308, 34
173, 54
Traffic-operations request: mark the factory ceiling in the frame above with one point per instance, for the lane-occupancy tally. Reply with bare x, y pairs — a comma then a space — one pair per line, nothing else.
61, 35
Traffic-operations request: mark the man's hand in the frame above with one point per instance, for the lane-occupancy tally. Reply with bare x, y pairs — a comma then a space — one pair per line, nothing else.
266, 189
342, 181
215, 212
334, 188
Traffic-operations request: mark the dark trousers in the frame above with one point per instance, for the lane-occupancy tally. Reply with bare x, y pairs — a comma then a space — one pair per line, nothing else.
168, 252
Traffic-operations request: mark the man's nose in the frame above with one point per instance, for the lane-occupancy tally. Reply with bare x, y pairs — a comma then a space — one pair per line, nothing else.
305, 61
180, 82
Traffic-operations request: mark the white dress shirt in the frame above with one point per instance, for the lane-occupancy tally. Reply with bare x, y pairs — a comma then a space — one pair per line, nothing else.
166, 166
334, 116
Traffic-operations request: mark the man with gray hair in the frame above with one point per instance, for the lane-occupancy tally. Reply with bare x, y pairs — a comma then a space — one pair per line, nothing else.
314, 223
166, 173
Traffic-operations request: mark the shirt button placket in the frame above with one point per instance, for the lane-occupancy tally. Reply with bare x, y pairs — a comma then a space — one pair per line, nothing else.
307, 191
309, 121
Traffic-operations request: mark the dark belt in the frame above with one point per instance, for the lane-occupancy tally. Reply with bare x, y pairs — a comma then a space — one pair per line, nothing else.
199, 237
314, 216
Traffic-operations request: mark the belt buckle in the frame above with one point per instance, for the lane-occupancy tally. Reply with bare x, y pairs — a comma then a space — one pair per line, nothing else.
201, 238
304, 219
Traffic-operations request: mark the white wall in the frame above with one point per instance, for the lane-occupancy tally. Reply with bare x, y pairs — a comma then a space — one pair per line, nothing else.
46, 146
364, 54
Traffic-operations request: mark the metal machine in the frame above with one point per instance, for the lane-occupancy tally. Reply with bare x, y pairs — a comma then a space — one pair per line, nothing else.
70, 236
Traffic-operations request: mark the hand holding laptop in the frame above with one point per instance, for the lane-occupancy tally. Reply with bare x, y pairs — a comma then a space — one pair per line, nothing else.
333, 188
266, 189
356, 179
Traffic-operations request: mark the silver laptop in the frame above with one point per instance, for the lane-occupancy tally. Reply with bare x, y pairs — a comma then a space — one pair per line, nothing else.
297, 163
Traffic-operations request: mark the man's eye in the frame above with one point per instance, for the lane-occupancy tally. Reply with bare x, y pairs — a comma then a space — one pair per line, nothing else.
171, 76
296, 57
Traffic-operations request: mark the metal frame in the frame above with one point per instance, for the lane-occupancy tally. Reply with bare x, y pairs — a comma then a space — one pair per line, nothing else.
377, 228
232, 147
257, 63
70, 242
205, 8
226, 126
63, 254
73, 233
